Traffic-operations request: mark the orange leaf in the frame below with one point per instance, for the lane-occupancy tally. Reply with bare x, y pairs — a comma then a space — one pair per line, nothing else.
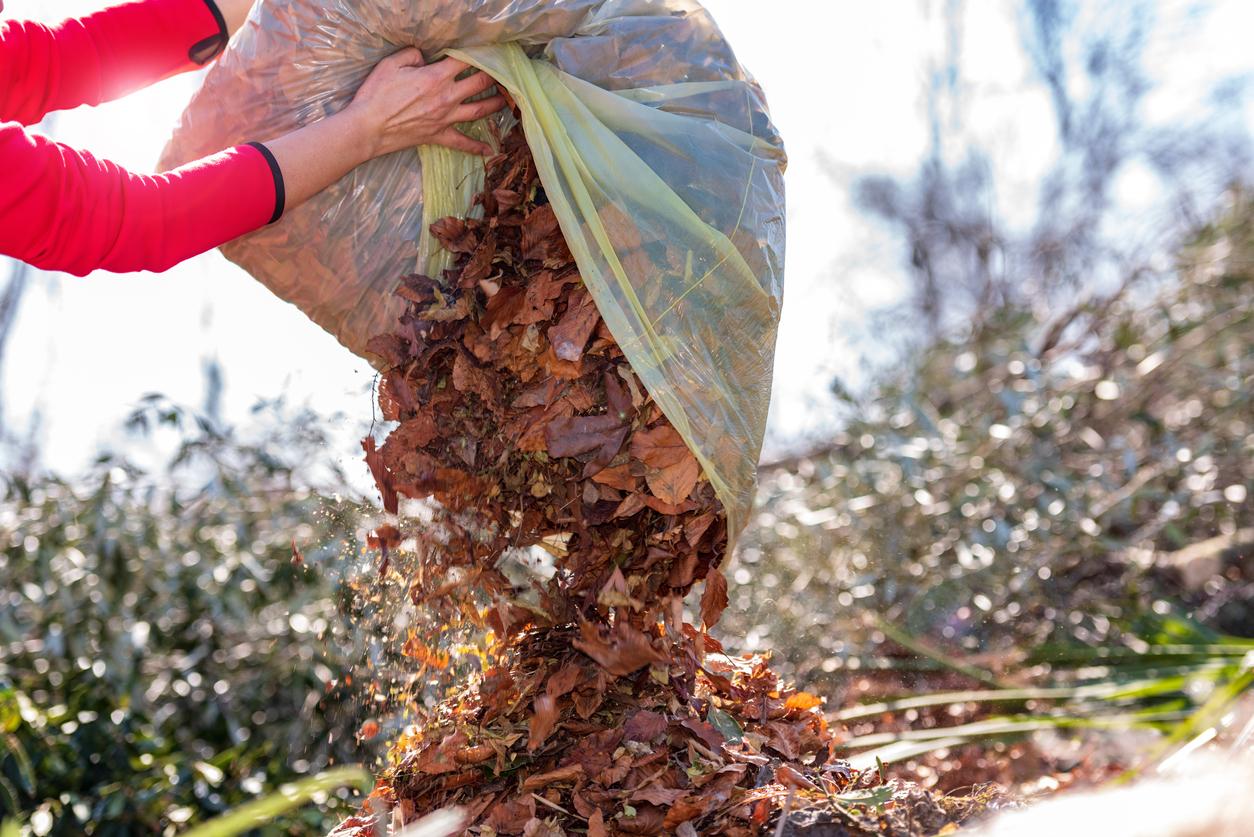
674, 483
802, 701
660, 447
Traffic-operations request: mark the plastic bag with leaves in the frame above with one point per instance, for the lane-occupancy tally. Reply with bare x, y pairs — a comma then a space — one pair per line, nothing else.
654, 146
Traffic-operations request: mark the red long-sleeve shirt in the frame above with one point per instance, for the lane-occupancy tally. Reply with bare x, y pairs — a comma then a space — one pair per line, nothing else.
63, 209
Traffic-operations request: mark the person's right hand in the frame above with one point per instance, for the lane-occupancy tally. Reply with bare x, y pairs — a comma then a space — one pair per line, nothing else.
405, 102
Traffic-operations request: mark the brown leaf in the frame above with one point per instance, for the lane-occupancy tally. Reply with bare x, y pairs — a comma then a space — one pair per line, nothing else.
554, 365
587, 703
503, 310
439, 758
632, 504
644, 726
542, 238
415, 432
479, 266
673, 470
569, 773
542, 394
593, 751
684, 809
614, 593
659, 447
790, 778
657, 795
709, 736
596, 825
538, 302
454, 235
713, 598
511, 817
416, 649
617, 398
382, 477
620, 650
649, 819
582, 434
571, 333
543, 719
618, 476
674, 483
695, 528
468, 377
563, 680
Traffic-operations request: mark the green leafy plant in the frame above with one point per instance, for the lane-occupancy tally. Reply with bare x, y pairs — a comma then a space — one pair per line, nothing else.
165, 656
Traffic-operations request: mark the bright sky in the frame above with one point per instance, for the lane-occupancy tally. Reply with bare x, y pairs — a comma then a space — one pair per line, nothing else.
845, 82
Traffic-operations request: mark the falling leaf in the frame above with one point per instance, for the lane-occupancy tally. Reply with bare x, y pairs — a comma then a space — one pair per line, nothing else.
620, 650
802, 701
543, 719
713, 598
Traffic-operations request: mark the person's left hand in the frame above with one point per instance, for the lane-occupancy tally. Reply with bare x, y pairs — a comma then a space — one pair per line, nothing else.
405, 103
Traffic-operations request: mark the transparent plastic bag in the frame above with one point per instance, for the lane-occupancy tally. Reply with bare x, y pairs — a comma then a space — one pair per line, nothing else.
654, 146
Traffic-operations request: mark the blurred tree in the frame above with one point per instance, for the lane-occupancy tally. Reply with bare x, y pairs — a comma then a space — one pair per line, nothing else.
968, 255
1031, 481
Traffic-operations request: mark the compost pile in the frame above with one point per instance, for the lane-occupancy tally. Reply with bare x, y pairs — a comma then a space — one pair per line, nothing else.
596, 708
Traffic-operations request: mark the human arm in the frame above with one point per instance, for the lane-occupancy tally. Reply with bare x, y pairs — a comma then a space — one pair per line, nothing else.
104, 55
66, 210
404, 103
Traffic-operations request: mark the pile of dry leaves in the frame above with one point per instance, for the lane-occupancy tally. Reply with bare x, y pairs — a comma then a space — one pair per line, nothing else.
597, 709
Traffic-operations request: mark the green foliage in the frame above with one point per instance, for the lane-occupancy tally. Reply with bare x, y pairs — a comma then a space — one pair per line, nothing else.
162, 656
1023, 484
265, 810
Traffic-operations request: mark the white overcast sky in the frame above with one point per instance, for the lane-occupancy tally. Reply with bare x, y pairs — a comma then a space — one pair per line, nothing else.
845, 82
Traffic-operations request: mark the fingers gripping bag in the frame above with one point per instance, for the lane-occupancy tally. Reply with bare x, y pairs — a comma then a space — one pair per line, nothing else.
654, 146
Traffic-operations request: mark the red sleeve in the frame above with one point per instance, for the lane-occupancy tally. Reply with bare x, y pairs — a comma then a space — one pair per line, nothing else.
93, 59
62, 209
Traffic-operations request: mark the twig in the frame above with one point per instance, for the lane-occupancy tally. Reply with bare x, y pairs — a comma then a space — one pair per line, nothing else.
538, 798
783, 814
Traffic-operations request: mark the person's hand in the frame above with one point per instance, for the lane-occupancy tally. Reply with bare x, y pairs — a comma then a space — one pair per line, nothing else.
404, 103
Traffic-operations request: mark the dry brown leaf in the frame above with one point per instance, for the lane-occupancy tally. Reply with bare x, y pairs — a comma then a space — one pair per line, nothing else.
620, 650
713, 598
543, 719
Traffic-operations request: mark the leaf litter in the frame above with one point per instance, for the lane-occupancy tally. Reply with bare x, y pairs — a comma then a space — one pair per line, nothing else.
578, 699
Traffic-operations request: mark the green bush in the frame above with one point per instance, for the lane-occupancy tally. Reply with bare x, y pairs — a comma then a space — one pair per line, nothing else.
1021, 483
163, 658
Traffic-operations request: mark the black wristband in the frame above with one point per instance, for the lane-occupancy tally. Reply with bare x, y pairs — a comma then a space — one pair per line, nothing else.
202, 52
280, 193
